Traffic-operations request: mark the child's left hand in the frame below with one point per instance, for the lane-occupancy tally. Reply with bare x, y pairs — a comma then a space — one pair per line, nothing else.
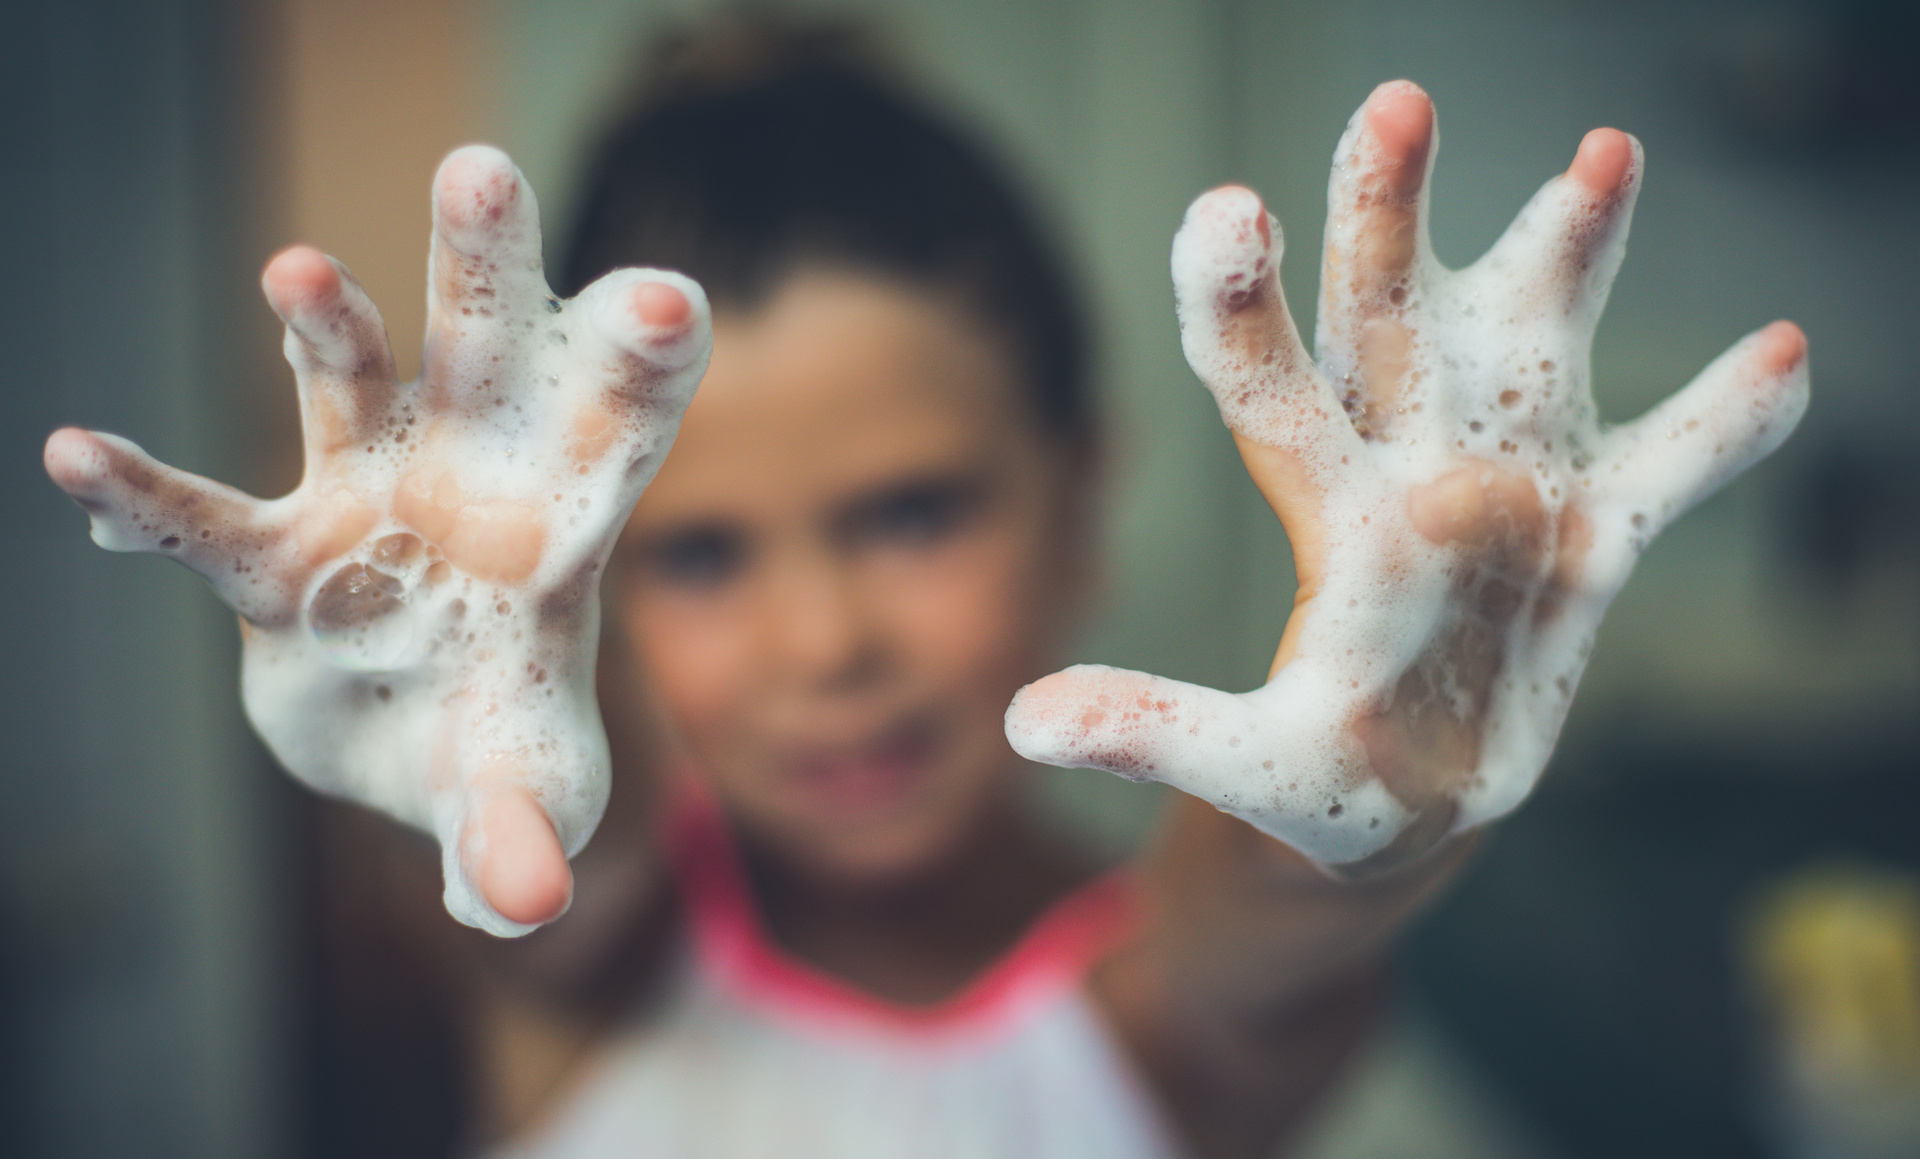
1459, 518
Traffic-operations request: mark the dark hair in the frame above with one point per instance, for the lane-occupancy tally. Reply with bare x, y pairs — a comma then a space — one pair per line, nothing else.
763, 144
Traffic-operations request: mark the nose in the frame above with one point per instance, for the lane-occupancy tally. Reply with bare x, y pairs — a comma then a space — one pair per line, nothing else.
821, 631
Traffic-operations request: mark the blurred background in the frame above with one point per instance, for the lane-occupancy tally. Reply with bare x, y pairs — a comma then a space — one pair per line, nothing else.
1747, 726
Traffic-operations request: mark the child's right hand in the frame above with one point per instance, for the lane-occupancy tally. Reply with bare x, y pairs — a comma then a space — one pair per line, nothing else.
1459, 518
419, 616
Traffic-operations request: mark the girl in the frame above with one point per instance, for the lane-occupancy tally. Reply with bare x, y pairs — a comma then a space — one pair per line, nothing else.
819, 917
872, 529
816, 919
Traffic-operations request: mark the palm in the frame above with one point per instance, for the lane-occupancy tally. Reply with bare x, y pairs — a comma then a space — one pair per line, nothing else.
1460, 519
420, 614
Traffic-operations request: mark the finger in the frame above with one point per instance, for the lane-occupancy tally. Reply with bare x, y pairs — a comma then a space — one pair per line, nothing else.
1738, 409
138, 504
646, 336
1606, 162
1572, 235
1240, 338
337, 345
1376, 247
513, 856
485, 272
1376, 204
654, 331
1266, 757
1137, 726
1145, 728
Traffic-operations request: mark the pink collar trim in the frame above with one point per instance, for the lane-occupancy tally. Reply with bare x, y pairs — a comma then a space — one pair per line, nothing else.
732, 944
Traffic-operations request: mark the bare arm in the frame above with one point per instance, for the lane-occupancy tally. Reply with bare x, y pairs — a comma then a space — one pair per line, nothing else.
1256, 976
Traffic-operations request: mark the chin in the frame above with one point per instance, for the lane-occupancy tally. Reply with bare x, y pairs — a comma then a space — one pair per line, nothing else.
874, 853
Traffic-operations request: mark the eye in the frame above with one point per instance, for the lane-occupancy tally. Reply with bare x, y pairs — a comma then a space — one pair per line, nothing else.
698, 558
915, 515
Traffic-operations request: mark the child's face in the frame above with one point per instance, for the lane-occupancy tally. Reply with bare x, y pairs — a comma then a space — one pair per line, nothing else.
859, 548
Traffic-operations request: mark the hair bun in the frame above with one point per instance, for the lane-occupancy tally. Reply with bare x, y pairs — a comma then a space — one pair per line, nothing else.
743, 51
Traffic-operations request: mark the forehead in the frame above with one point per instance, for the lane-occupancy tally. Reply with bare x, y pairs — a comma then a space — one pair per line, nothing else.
839, 381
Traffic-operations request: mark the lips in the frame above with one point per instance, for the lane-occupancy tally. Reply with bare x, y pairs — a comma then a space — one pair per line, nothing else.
866, 779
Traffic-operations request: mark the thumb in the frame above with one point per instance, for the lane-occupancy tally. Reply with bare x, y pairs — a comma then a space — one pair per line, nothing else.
1141, 727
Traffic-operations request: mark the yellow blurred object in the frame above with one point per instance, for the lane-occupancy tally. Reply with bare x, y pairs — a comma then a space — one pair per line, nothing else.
1835, 956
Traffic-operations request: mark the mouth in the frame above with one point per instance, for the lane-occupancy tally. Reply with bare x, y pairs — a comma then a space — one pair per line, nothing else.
869, 778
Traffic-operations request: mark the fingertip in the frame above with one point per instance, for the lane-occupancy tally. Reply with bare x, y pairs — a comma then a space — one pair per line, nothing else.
1400, 117
72, 459
657, 316
520, 869
1037, 718
1084, 696
1783, 346
661, 306
1092, 716
476, 185
1603, 161
299, 275
1040, 700
1233, 205
1397, 89
1227, 247
1248, 202
1235, 191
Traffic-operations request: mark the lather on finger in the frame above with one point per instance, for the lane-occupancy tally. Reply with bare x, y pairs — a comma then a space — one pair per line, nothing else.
1376, 205
1239, 336
650, 332
1376, 249
136, 503
485, 276
337, 346
1241, 753
652, 327
1736, 411
1571, 237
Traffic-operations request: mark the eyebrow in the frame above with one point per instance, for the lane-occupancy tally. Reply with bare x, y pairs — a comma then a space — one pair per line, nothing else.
966, 488
655, 540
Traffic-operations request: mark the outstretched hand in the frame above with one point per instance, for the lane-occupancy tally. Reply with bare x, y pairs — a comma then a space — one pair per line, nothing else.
420, 615
1459, 517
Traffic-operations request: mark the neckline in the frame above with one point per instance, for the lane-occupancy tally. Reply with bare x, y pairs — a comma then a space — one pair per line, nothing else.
734, 948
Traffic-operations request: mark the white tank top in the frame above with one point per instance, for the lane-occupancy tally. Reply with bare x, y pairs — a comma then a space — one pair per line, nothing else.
754, 1055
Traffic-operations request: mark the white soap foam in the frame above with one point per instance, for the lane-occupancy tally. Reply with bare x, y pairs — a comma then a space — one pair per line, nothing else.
1495, 384
391, 674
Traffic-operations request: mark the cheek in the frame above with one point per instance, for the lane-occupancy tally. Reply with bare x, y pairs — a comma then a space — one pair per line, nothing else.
976, 618
695, 659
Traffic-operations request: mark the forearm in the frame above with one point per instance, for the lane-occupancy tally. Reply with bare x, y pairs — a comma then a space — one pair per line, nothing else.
1234, 1090
1255, 975
1253, 926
